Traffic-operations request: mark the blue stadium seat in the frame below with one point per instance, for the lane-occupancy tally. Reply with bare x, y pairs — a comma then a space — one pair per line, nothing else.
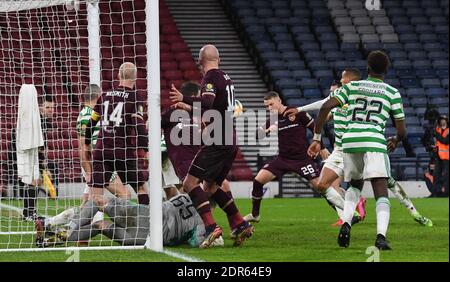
432, 46
292, 93
334, 55
415, 92
312, 93
264, 12
285, 46
417, 55
413, 46
421, 151
319, 65
419, 101
308, 83
415, 131
314, 55
402, 64
277, 29
439, 101
444, 82
309, 46
412, 120
286, 83
426, 73
304, 37
406, 73
271, 55
440, 64
428, 37
436, 92
443, 74
438, 55
295, 65
276, 65
431, 82
299, 74
279, 74
290, 55
294, 102
422, 64
424, 28
398, 55
330, 46
283, 13
298, 29
281, 37
420, 111
409, 83
265, 46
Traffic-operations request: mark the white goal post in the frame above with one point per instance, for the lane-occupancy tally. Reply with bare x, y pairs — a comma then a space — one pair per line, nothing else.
78, 64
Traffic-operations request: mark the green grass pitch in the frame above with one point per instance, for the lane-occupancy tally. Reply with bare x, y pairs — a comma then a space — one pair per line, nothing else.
296, 230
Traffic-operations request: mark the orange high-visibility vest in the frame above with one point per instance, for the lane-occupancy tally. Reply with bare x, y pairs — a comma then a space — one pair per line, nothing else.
442, 148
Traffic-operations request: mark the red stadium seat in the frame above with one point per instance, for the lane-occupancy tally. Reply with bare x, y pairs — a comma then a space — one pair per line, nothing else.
188, 65
192, 75
173, 75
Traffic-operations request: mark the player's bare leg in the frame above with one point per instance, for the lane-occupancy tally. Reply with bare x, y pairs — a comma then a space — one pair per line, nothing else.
401, 195
117, 188
380, 190
199, 197
262, 178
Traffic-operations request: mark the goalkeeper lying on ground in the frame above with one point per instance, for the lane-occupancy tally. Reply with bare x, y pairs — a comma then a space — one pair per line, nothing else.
130, 223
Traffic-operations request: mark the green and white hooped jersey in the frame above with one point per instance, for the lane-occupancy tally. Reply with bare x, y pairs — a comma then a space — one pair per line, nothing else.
370, 103
83, 121
340, 122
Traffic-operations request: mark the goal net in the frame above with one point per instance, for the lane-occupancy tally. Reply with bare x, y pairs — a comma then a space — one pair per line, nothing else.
59, 47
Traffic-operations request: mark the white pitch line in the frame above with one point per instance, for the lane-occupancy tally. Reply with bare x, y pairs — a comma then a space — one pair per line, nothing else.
19, 210
182, 256
166, 252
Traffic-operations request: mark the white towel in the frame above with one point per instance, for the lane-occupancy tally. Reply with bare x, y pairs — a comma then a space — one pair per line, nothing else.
28, 134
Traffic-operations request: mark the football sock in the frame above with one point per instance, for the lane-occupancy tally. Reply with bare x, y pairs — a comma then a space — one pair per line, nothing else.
257, 195
400, 194
334, 197
226, 203
143, 199
351, 200
61, 218
29, 201
383, 214
201, 203
230, 218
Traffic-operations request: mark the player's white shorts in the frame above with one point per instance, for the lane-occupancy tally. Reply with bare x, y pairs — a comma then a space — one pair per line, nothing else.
86, 188
169, 177
335, 162
366, 166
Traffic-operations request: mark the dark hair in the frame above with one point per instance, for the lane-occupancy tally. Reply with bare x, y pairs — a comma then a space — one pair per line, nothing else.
336, 83
91, 92
190, 88
355, 73
271, 95
378, 63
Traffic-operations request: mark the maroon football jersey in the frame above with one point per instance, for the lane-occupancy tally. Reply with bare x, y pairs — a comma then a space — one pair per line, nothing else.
292, 142
218, 82
184, 126
122, 125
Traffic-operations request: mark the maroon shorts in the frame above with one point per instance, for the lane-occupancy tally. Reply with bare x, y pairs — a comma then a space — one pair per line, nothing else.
306, 168
213, 163
130, 169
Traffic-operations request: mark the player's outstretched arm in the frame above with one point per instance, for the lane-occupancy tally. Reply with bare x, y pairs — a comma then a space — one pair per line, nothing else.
315, 146
315, 106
